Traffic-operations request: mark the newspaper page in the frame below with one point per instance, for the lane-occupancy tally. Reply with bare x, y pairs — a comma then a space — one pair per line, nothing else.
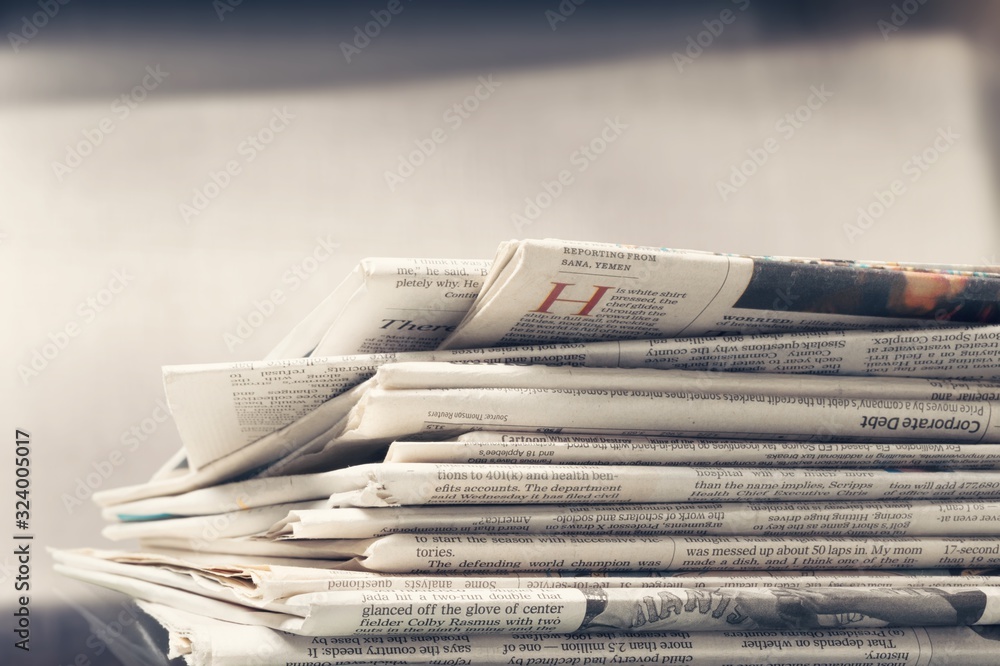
258, 582
312, 520
514, 399
413, 484
968, 352
242, 495
270, 584
900, 518
566, 291
704, 410
416, 484
495, 553
388, 305
571, 610
237, 523
404, 553
210, 642
219, 409
222, 407
492, 448
399, 553
405, 375
318, 425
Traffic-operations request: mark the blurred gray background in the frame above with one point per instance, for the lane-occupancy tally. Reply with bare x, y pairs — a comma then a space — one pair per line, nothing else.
163, 170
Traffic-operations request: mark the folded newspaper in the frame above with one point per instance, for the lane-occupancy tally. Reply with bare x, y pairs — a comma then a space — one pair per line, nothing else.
561, 291
210, 642
559, 610
223, 407
388, 305
584, 453
205, 641
435, 399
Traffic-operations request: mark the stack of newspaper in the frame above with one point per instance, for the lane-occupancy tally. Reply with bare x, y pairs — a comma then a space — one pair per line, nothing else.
587, 454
